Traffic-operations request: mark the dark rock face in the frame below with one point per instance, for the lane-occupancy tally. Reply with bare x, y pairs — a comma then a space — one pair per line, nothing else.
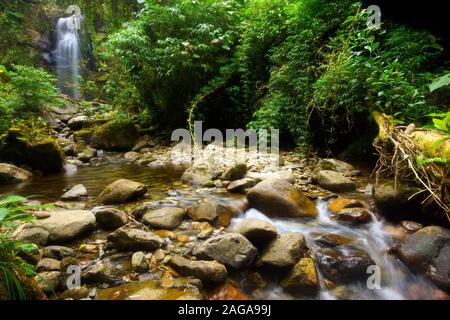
115, 136
343, 265
428, 251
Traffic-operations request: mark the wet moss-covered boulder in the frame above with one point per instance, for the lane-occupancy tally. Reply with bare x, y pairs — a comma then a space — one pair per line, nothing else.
115, 135
34, 149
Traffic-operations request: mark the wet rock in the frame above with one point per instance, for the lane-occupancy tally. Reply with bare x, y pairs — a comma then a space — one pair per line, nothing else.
37, 236
302, 278
333, 240
139, 263
132, 156
99, 273
110, 218
48, 281
196, 176
439, 270
231, 249
419, 248
122, 191
235, 173
411, 226
354, 215
240, 186
343, 265
203, 270
284, 251
58, 252
75, 294
339, 204
227, 291
204, 211
70, 205
335, 181
204, 228
115, 135
77, 122
132, 237
75, 193
258, 232
65, 225
167, 218
10, 174
43, 154
335, 165
277, 197
48, 264
86, 154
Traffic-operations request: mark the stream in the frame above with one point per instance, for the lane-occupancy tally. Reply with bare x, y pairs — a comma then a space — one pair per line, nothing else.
397, 282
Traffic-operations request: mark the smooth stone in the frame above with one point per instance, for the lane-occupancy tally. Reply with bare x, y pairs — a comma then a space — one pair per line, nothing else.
139, 263
10, 174
58, 252
48, 264
110, 218
258, 232
204, 270
302, 278
75, 193
122, 191
167, 218
232, 249
284, 251
132, 237
335, 181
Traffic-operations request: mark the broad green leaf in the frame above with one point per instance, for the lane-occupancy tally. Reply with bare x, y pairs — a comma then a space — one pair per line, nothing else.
3, 213
440, 124
440, 83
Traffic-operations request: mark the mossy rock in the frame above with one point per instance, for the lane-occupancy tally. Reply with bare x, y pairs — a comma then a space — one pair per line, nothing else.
40, 152
115, 135
83, 135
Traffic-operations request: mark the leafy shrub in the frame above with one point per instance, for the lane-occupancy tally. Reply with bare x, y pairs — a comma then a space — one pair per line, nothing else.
25, 91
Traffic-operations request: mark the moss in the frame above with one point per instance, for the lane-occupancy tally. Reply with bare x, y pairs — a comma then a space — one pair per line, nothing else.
84, 135
116, 135
40, 153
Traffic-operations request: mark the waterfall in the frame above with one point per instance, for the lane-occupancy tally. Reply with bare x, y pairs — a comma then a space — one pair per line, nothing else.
67, 55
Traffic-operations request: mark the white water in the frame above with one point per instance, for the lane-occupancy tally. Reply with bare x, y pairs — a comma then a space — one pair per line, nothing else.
67, 56
371, 238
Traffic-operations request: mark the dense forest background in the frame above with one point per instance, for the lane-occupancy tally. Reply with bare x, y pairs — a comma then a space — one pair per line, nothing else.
308, 67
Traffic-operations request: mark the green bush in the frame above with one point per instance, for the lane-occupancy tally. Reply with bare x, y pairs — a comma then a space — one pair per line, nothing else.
25, 91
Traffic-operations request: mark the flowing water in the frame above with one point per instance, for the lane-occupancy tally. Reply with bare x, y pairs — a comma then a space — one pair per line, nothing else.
67, 55
397, 282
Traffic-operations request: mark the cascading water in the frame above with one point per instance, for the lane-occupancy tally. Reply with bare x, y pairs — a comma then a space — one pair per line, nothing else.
67, 55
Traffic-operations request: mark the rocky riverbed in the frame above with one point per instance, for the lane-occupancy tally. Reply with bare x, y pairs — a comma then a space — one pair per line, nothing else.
150, 224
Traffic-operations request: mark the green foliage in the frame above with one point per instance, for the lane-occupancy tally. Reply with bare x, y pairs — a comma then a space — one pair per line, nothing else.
441, 122
25, 91
13, 269
441, 82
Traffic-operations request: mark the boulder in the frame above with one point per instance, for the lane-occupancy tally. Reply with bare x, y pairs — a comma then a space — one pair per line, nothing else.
78, 122
204, 270
236, 172
132, 156
122, 191
10, 174
32, 149
47, 264
258, 232
240, 186
75, 293
139, 263
396, 202
331, 240
335, 181
340, 203
204, 211
354, 215
58, 252
196, 176
115, 135
284, 251
132, 237
439, 270
276, 197
420, 248
144, 142
167, 218
110, 218
343, 264
75, 193
302, 278
37, 236
85, 153
231, 249
65, 225
99, 273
